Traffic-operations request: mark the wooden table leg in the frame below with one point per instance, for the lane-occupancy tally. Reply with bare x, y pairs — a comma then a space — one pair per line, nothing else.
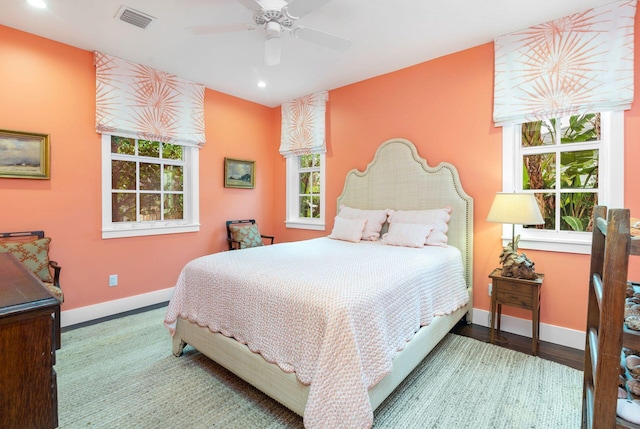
493, 318
536, 324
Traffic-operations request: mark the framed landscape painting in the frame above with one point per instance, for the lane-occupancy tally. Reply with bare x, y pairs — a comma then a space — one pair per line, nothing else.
24, 155
239, 173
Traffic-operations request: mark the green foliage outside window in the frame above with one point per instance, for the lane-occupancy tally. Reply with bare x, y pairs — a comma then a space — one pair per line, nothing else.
574, 192
147, 180
309, 191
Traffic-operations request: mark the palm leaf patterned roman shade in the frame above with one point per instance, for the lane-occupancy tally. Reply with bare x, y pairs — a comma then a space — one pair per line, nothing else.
303, 125
136, 101
573, 65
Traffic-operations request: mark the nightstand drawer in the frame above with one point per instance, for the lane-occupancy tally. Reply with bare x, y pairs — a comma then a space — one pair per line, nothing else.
514, 287
516, 300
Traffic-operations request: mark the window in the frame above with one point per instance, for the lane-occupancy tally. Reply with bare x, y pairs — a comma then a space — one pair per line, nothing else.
148, 187
570, 164
305, 191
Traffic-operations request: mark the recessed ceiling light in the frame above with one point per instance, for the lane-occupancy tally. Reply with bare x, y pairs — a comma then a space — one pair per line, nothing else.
262, 84
40, 4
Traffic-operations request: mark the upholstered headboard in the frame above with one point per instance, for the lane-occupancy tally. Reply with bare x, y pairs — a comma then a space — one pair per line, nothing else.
399, 179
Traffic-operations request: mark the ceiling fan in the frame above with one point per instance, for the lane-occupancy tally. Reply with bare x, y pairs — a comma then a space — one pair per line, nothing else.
277, 17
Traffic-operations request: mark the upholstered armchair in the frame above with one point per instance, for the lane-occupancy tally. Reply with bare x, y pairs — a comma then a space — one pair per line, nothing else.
242, 234
32, 249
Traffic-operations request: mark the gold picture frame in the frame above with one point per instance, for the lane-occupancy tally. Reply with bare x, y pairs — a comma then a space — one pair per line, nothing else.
239, 173
24, 155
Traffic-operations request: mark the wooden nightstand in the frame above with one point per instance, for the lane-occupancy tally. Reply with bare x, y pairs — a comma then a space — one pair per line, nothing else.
516, 293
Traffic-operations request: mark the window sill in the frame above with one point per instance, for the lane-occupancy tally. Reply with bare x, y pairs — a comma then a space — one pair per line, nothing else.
579, 246
142, 229
300, 224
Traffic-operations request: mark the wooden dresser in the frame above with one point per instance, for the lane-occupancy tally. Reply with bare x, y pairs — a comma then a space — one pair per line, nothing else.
28, 389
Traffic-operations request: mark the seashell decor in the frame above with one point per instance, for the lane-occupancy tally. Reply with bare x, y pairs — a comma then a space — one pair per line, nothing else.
633, 365
632, 310
633, 322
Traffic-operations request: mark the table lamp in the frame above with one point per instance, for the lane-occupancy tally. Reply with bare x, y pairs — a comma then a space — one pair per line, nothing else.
515, 208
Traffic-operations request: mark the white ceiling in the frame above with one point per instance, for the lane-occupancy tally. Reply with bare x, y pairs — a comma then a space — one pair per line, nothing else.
387, 35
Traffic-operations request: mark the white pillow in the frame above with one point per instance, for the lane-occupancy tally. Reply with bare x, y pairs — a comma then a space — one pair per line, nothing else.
375, 219
348, 229
437, 218
407, 234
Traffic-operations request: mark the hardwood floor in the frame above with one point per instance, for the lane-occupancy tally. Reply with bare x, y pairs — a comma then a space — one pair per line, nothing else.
554, 352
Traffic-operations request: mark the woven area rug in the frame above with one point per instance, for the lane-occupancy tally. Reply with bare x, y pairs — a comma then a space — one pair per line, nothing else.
121, 374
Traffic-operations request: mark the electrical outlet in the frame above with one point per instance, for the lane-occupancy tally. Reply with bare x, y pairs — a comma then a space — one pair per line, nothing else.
489, 288
113, 280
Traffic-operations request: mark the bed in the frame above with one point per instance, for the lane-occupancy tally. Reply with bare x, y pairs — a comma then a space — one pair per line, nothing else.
394, 331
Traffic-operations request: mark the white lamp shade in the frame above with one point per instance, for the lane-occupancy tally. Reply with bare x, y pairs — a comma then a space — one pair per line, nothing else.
515, 208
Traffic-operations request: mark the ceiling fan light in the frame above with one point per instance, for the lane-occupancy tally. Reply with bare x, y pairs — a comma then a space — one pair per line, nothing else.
273, 29
272, 51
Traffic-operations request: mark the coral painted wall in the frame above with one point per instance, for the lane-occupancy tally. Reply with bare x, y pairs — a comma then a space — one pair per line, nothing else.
48, 87
443, 106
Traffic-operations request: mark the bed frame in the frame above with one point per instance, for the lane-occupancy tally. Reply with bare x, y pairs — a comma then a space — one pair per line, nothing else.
396, 178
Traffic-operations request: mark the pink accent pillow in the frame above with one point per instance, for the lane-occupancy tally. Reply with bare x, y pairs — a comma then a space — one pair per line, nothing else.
375, 219
437, 218
348, 229
407, 234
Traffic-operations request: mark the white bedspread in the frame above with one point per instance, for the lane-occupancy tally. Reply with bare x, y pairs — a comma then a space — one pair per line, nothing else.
333, 312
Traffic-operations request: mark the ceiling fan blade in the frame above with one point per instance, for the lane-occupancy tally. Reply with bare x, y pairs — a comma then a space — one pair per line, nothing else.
272, 50
321, 38
299, 8
251, 5
216, 29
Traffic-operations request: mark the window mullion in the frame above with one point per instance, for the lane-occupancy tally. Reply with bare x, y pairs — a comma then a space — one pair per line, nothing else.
558, 182
138, 217
162, 192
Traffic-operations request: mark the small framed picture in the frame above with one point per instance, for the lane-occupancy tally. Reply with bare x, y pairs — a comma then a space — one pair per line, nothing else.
239, 173
24, 155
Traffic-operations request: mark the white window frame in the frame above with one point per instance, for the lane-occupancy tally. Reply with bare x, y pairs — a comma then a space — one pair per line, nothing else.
191, 221
610, 185
293, 219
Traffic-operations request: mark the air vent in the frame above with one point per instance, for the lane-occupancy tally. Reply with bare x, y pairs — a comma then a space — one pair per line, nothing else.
134, 17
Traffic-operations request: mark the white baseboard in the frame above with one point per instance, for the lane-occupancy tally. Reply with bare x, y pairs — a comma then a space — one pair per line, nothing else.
549, 333
109, 308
